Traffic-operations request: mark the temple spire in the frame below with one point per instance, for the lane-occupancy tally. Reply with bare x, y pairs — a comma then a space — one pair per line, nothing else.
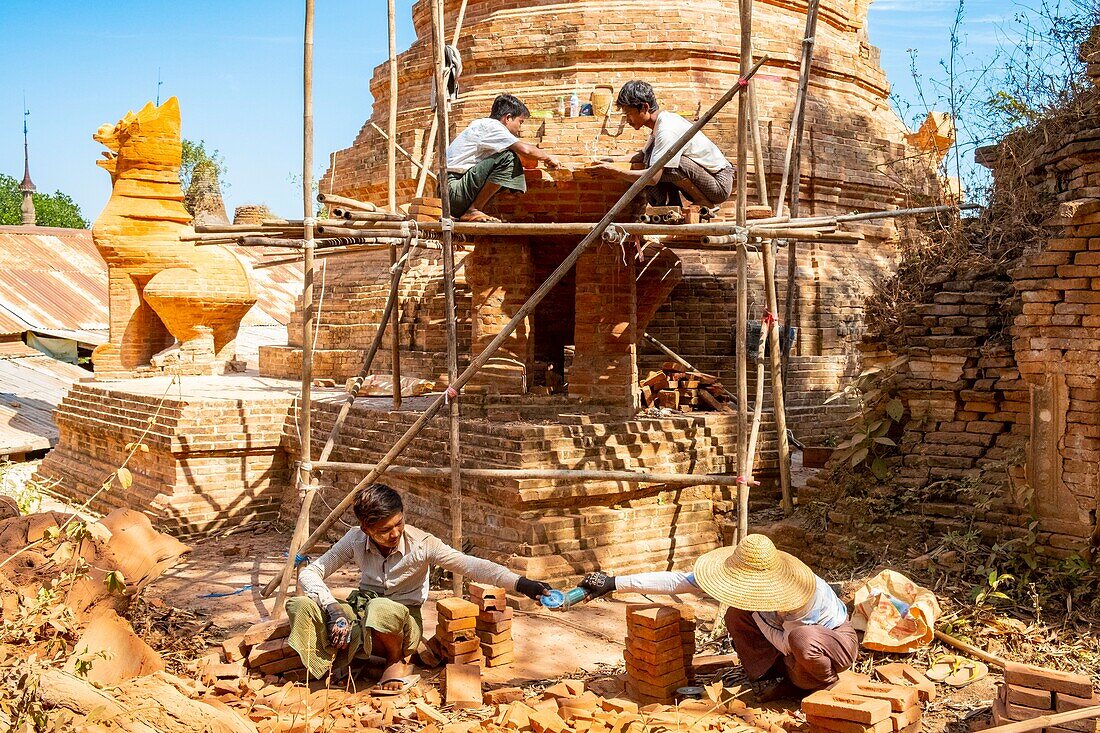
27, 186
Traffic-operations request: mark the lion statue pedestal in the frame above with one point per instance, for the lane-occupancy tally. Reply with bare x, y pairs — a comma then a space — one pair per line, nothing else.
175, 307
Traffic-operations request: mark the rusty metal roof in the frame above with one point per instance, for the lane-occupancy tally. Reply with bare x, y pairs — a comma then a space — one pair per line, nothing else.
31, 386
54, 280
50, 279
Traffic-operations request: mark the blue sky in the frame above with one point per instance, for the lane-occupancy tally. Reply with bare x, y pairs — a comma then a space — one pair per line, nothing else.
236, 67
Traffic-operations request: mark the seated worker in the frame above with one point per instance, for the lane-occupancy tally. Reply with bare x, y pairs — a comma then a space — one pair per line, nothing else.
699, 170
382, 616
484, 158
784, 621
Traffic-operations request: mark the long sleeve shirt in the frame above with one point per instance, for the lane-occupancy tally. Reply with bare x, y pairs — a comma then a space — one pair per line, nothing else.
824, 609
402, 575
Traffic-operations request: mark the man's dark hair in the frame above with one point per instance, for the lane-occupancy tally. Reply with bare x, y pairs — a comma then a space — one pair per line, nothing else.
505, 105
635, 94
377, 502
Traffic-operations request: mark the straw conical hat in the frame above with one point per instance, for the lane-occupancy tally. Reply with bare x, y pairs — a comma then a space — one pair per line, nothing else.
754, 576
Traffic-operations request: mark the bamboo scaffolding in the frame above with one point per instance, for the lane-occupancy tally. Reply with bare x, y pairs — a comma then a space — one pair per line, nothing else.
441, 103
742, 276
306, 488
391, 200
639, 477
779, 407
519, 317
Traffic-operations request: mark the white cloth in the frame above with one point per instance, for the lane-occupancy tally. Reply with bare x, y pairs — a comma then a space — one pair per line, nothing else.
824, 609
402, 575
664, 583
483, 138
670, 126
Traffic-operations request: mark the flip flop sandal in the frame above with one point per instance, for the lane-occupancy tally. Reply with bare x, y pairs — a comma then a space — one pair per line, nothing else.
943, 667
407, 683
970, 671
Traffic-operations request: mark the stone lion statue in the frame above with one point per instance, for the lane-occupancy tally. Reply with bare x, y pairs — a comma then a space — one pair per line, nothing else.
174, 306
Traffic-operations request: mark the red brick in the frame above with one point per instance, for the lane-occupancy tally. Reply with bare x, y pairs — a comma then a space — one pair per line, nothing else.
830, 704
1041, 678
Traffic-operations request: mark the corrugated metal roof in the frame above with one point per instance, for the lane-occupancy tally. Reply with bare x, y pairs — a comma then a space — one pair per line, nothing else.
50, 279
31, 386
54, 280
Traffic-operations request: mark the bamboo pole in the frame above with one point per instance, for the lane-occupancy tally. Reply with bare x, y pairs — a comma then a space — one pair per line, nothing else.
504, 228
742, 277
970, 649
1046, 721
331, 200
367, 216
391, 199
448, 289
433, 130
757, 408
779, 407
634, 477
412, 159
306, 488
522, 313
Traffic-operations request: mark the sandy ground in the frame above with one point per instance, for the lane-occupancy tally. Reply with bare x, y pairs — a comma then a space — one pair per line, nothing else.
549, 645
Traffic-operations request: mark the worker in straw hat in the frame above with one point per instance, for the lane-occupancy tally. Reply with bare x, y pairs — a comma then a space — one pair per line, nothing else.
784, 621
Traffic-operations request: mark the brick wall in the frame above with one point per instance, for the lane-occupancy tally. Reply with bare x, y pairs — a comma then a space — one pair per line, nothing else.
214, 457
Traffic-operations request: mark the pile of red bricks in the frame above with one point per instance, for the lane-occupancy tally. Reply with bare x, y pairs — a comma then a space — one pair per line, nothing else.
660, 643
857, 705
494, 624
262, 650
1029, 692
676, 388
455, 639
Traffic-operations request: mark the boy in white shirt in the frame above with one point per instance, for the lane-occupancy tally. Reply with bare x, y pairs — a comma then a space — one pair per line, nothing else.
699, 170
484, 158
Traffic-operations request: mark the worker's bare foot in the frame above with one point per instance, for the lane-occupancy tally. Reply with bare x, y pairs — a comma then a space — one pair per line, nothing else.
477, 216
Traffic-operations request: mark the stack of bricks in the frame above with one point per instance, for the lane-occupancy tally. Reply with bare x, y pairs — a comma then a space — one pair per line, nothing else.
264, 650
855, 704
494, 624
455, 639
660, 643
1029, 692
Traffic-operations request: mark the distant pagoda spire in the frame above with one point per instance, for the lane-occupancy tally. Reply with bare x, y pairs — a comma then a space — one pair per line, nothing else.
27, 186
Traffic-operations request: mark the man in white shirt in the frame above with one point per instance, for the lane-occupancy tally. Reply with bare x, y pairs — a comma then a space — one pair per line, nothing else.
699, 170
382, 616
783, 620
485, 157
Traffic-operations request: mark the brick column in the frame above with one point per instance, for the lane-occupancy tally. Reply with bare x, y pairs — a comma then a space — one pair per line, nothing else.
604, 367
501, 275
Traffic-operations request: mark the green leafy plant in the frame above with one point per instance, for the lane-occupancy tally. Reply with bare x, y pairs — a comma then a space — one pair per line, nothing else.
878, 410
989, 591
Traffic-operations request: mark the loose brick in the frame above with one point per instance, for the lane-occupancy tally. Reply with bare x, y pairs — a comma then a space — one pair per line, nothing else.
900, 698
1040, 699
1041, 678
654, 618
269, 651
495, 650
264, 631
457, 624
500, 661
1063, 703
462, 685
848, 726
495, 617
234, 648
503, 695
462, 647
830, 704
487, 638
897, 673
452, 608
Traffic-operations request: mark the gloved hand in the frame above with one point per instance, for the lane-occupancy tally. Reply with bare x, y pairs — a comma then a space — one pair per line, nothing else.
339, 626
598, 584
533, 589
